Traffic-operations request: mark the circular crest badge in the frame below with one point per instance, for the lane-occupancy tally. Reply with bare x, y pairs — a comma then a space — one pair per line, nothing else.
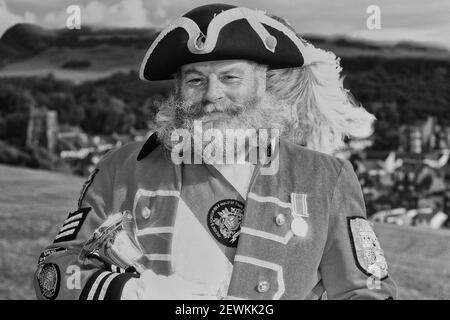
48, 278
224, 221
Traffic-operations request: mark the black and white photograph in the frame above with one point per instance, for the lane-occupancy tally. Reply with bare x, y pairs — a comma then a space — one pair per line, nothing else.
198, 151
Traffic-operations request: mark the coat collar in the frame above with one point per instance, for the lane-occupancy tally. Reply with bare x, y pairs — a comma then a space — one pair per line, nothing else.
149, 145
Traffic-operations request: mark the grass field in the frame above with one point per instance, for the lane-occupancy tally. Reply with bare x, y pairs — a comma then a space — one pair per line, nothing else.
34, 203
105, 60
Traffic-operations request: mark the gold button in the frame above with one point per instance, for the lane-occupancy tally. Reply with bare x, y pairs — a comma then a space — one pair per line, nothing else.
146, 213
263, 286
280, 219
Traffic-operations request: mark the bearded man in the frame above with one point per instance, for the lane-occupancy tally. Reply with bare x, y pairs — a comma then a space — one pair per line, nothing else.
216, 215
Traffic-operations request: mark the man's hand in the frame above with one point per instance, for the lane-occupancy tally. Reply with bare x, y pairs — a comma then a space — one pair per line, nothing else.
133, 290
151, 286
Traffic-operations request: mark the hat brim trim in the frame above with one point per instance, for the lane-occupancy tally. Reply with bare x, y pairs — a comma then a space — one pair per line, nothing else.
214, 28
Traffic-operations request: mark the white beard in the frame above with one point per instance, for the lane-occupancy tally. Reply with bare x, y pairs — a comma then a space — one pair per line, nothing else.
256, 114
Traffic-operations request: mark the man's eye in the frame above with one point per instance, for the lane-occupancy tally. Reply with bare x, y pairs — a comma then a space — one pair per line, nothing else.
230, 77
195, 81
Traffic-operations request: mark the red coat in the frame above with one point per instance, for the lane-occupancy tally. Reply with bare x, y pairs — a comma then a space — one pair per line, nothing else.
339, 254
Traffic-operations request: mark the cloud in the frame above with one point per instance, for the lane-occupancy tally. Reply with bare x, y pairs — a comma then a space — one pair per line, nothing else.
160, 13
414, 21
125, 13
8, 18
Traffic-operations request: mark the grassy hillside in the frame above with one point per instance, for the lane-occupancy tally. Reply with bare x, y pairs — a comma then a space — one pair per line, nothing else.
104, 61
34, 203
419, 260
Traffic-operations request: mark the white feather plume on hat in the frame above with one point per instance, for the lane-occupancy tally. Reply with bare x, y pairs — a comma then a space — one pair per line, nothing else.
323, 112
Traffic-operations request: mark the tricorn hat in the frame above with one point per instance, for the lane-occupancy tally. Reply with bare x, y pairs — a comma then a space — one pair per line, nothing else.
222, 32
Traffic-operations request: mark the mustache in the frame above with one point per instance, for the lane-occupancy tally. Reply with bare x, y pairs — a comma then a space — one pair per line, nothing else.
256, 112
200, 109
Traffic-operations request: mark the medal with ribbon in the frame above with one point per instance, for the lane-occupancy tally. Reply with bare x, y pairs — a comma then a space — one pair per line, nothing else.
299, 211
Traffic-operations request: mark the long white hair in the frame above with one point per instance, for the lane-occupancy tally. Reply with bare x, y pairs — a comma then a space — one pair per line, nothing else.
323, 112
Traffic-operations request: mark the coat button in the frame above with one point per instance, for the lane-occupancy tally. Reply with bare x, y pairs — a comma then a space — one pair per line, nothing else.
263, 286
280, 219
146, 213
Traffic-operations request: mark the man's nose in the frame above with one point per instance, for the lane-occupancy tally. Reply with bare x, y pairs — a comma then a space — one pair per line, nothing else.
214, 92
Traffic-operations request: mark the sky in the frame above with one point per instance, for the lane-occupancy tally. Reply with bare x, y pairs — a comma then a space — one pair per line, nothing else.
411, 20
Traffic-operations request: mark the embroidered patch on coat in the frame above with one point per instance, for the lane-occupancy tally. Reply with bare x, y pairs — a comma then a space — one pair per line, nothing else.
72, 225
49, 252
49, 278
86, 186
224, 221
366, 248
